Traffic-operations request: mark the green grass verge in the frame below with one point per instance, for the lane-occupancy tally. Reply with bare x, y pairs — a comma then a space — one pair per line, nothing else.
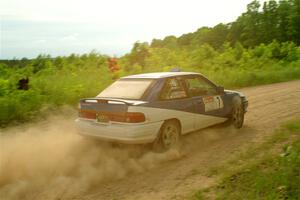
275, 175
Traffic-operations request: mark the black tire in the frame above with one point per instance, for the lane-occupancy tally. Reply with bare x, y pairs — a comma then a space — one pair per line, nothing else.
169, 136
237, 114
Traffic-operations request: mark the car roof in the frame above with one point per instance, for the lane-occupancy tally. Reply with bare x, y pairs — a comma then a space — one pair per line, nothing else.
158, 75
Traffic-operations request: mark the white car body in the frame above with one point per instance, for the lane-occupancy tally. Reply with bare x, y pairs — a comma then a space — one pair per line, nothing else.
105, 117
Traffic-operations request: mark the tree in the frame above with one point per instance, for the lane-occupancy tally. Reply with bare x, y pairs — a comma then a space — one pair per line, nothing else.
283, 11
294, 21
139, 53
250, 21
269, 21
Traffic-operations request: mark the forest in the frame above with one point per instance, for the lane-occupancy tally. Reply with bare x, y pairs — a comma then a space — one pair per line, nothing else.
261, 46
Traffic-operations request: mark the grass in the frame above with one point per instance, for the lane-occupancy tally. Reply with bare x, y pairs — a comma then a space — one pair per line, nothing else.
266, 172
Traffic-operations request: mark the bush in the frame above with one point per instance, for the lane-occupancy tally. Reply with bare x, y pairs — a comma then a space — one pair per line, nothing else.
64, 80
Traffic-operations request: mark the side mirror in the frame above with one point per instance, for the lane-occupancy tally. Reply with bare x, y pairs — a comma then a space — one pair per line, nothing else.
220, 89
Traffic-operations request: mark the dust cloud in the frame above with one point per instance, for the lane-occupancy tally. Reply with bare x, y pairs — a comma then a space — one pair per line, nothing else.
49, 160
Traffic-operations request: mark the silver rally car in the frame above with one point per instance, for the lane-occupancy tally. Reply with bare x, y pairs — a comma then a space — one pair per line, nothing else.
158, 107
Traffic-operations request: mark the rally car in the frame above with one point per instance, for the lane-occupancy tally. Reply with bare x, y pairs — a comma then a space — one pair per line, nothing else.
158, 108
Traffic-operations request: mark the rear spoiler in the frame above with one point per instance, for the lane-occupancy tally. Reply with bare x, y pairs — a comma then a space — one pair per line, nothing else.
104, 100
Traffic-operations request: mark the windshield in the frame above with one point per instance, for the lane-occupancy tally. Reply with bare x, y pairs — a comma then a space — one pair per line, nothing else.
127, 89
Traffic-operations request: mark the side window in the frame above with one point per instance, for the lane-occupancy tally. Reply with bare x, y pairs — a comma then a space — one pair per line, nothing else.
173, 89
197, 86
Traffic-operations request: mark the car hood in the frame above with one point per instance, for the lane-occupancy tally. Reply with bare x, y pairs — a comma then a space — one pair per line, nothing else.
234, 92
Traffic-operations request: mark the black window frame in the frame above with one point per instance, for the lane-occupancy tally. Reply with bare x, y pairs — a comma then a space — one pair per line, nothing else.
199, 77
183, 84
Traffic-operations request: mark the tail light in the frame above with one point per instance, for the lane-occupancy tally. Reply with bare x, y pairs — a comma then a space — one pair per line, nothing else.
128, 117
134, 117
87, 114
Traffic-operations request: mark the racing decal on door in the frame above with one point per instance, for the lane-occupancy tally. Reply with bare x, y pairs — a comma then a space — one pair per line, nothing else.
212, 103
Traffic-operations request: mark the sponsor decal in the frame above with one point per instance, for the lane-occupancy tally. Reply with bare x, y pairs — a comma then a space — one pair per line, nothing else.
212, 103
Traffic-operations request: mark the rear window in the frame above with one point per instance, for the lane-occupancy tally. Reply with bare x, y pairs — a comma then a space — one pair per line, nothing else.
127, 89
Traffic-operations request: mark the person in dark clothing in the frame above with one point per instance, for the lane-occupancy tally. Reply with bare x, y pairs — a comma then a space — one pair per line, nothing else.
23, 84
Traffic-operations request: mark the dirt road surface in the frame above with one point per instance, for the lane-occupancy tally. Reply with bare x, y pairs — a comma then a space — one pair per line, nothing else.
49, 161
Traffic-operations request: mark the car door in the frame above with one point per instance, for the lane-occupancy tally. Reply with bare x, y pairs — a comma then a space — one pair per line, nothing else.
208, 102
178, 104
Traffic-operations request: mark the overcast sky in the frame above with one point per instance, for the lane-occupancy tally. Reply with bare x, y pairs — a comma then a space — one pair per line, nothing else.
61, 27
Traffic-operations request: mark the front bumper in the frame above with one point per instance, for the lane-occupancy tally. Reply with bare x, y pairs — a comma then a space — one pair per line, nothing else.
119, 132
245, 104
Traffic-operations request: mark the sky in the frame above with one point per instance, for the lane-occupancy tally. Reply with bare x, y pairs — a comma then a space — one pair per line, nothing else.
61, 27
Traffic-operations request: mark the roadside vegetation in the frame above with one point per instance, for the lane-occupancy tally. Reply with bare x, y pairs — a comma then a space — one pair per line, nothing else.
268, 171
260, 47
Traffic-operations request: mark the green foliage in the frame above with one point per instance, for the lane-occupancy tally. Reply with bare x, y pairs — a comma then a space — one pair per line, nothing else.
138, 54
64, 80
52, 82
261, 23
262, 64
4, 87
19, 105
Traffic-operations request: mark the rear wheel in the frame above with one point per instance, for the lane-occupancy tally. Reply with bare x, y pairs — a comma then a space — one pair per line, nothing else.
237, 115
168, 137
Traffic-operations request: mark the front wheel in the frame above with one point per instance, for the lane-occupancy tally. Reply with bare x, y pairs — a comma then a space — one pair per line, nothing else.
237, 115
168, 137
